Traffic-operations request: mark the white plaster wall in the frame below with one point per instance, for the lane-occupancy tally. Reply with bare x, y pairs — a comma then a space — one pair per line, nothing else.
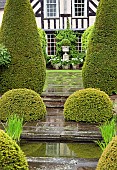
91, 20
1, 15
65, 6
38, 21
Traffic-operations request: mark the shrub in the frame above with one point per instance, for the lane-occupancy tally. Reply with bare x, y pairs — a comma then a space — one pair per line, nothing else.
5, 57
11, 156
43, 40
108, 159
88, 105
100, 67
108, 131
71, 36
65, 42
85, 37
20, 36
24, 102
14, 127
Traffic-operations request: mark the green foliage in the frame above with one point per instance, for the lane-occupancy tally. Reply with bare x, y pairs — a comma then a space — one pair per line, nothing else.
100, 67
5, 57
71, 36
11, 156
55, 60
23, 102
108, 159
20, 36
65, 42
43, 40
86, 37
108, 132
14, 127
88, 105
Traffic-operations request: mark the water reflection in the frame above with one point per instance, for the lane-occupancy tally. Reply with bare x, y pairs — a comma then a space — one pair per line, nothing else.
71, 150
58, 149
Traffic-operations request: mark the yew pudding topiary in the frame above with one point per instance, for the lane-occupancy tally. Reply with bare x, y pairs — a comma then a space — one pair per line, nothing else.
20, 36
24, 102
108, 159
88, 105
11, 156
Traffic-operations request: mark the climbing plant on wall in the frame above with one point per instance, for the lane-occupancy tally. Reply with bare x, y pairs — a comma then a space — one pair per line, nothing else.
72, 37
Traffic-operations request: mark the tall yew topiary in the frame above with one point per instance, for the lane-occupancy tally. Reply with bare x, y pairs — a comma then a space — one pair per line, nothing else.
100, 67
19, 34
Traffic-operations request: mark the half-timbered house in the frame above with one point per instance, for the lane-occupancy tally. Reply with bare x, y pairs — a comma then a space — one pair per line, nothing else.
52, 15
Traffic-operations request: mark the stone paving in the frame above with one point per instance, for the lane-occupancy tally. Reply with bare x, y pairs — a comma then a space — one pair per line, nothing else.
62, 164
55, 128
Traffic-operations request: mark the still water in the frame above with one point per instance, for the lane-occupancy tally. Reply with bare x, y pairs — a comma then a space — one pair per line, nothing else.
59, 150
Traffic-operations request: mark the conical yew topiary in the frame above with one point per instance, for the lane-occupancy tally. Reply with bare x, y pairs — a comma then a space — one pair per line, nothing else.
100, 67
20, 36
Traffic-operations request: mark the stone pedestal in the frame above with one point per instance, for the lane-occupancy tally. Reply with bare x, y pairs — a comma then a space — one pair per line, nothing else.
65, 57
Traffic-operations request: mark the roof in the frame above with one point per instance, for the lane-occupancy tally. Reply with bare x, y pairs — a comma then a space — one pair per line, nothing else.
2, 3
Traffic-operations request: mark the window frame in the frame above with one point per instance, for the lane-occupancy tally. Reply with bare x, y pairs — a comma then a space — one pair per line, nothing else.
45, 10
85, 10
51, 43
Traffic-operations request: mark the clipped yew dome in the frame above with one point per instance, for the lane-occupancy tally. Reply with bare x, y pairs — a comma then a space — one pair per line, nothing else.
11, 156
108, 159
88, 105
23, 102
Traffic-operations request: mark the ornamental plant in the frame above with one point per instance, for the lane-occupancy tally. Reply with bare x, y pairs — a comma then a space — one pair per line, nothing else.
43, 40
88, 105
20, 36
11, 156
86, 37
5, 57
100, 67
55, 60
69, 35
108, 159
24, 103
14, 126
65, 42
108, 131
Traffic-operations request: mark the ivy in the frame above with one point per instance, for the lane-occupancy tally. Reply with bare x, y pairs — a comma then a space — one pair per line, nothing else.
72, 37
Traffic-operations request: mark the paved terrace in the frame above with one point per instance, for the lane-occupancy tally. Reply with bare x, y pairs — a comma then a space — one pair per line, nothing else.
59, 85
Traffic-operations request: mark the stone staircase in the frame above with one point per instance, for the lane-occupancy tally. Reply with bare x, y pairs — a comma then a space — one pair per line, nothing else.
55, 128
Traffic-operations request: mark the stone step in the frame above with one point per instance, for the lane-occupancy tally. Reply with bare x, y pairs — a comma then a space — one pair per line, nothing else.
61, 90
54, 111
54, 101
61, 136
47, 163
56, 129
